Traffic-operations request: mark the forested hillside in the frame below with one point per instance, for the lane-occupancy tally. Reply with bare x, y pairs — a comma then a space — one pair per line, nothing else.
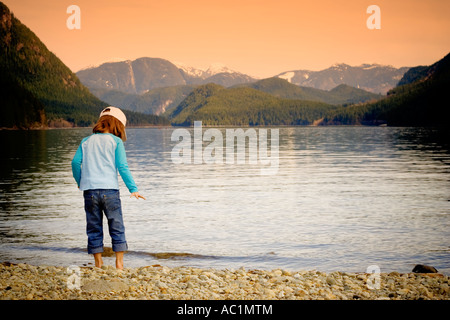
217, 105
420, 101
342, 94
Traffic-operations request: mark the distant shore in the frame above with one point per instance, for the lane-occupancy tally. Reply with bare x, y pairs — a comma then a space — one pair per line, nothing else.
29, 282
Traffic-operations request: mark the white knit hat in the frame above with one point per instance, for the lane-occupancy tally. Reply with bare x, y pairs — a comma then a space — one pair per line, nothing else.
116, 113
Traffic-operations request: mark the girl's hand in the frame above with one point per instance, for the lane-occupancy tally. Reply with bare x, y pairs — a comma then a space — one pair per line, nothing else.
137, 195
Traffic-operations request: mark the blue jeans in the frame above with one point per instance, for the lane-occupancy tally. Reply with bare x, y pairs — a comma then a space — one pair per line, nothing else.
97, 202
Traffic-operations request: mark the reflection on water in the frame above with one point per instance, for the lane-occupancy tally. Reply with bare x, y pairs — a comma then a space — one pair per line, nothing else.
343, 198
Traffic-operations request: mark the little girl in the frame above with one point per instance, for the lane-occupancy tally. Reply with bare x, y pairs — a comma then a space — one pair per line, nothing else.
94, 166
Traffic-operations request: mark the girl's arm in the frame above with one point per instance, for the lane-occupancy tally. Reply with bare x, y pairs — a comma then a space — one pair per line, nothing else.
76, 165
124, 171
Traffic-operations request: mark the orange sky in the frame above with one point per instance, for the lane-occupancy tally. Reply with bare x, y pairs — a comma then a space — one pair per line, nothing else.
258, 37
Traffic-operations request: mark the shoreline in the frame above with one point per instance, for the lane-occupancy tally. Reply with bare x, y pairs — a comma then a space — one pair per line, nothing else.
29, 282
174, 126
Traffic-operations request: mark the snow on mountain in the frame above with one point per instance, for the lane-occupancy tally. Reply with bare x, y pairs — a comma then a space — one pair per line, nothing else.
287, 76
339, 67
216, 68
191, 71
369, 66
212, 70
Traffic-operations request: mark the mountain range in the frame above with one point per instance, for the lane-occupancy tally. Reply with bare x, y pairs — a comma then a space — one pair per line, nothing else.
420, 99
155, 85
374, 78
143, 74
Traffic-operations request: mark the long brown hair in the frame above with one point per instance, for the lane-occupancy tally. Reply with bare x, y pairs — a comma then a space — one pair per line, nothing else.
112, 125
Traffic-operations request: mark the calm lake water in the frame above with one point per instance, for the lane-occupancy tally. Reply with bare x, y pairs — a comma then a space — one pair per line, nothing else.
343, 198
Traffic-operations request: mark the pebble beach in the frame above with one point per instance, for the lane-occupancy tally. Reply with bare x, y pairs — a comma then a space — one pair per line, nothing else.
29, 282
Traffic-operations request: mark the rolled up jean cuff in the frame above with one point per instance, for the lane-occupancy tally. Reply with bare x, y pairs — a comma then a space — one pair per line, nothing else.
117, 247
95, 250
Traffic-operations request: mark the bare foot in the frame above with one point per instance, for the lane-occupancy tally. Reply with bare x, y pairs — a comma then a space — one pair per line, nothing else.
98, 259
119, 260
